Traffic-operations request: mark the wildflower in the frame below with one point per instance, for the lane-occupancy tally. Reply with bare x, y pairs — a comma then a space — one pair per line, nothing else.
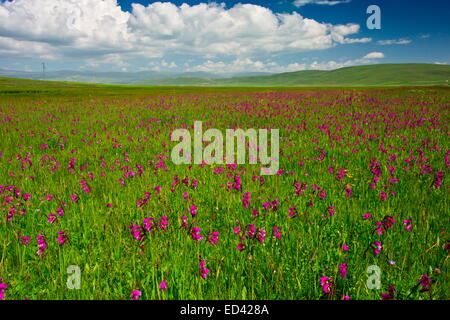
184, 222
213, 237
345, 247
3, 287
240, 246
193, 210
135, 294
148, 224
137, 232
195, 234
203, 270
74, 198
261, 235
425, 282
42, 246
408, 224
255, 212
343, 270
163, 223
391, 293
292, 212
376, 247
246, 200
327, 284
49, 197
62, 237
367, 216
24, 240
345, 297
276, 232
438, 178
251, 230
163, 285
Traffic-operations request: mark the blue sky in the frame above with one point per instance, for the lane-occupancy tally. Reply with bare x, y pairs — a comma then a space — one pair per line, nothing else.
219, 37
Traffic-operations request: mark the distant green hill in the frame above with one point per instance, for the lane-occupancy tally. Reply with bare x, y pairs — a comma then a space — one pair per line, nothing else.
368, 75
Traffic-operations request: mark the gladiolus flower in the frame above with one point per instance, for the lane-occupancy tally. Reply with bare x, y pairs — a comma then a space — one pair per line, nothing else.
163, 285
3, 287
327, 284
135, 294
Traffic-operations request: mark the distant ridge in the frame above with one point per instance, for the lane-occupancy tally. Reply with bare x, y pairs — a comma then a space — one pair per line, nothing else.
366, 75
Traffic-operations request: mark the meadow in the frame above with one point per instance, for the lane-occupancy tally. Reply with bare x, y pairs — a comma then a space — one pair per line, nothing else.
86, 180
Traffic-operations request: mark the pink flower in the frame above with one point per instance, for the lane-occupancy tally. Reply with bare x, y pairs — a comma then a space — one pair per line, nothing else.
49, 197
276, 232
261, 235
3, 287
213, 237
24, 240
345, 298
62, 237
163, 285
390, 295
42, 246
345, 247
195, 234
137, 232
135, 294
184, 222
367, 216
376, 247
240, 246
193, 210
327, 284
203, 270
343, 270
425, 282
408, 224
109, 205
74, 198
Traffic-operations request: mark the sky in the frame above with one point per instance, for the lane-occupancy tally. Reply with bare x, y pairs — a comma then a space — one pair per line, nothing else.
219, 37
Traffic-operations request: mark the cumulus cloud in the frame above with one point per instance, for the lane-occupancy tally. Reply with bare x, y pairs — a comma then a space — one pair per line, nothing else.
92, 29
300, 3
374, 55
242, 65
390, 42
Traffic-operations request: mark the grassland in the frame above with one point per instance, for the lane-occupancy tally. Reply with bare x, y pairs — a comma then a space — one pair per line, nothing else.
363, 181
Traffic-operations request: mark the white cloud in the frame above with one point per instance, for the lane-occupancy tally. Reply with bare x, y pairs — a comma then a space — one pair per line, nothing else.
300, 3
390, 42
374, 55
245, 65
94, 30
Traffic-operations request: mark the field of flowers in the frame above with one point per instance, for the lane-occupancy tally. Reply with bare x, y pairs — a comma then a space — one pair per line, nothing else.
87, 181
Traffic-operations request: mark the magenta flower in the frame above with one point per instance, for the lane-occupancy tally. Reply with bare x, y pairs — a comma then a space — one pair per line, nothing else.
327, 284
3, 287
408, 224
49, 197
135, 294
163, 223
240, 246
74, 198
292, 212
42, 246
246, 200
195, 234
425, 282
345, 247
62, 237
184, 222
276, 232
390, 295
213, 237
261, 235
137, 232
376, 247
345, 297
24, 240
203, 270
343, 270
193, 210
163, 285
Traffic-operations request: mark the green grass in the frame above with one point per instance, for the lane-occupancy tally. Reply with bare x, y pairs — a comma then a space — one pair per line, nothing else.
370, 75
111, 129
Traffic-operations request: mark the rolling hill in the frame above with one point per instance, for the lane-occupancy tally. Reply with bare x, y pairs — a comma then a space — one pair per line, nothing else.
367, 75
